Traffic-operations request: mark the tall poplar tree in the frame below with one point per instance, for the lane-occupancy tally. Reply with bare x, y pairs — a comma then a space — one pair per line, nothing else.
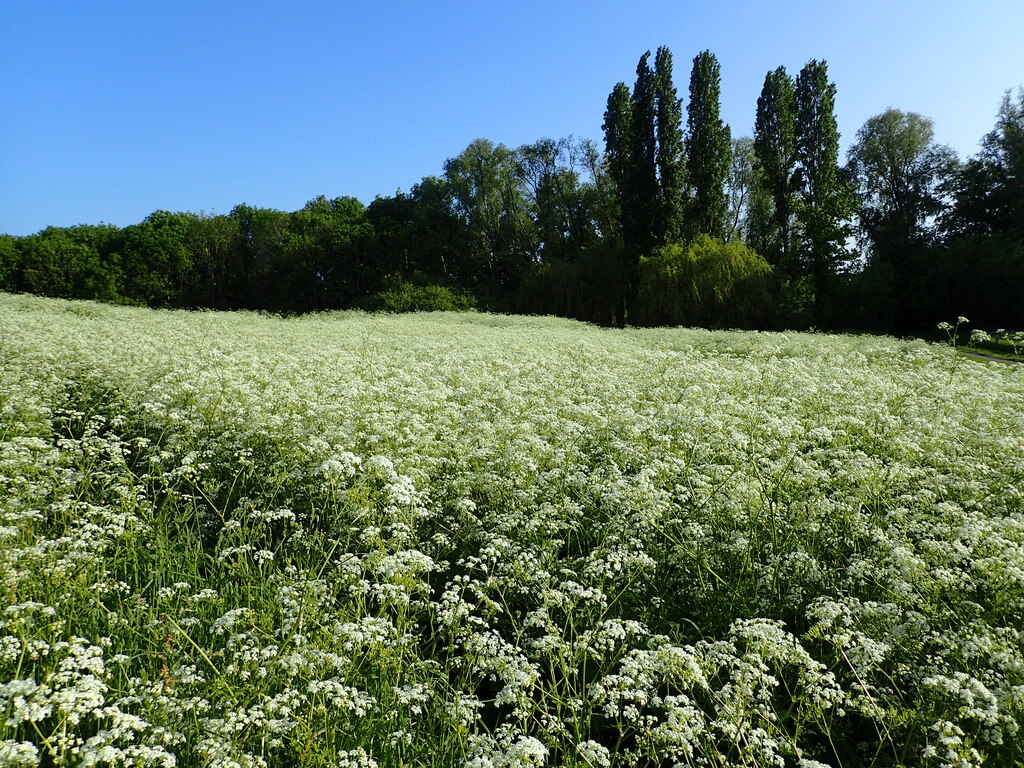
775, 151
826, 200
617, 126
708, 150
618, 143
640, 221
670, 151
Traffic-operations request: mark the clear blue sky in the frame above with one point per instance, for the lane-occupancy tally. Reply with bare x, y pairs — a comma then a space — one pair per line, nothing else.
112, 110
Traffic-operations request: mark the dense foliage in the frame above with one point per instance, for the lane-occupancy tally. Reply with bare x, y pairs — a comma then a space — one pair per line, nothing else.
238, 541
708, 283
708, 149
901, 236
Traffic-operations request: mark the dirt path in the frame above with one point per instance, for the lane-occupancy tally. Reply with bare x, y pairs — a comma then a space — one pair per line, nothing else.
977, 356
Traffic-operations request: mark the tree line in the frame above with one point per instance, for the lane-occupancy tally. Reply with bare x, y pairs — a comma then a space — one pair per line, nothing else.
671, 221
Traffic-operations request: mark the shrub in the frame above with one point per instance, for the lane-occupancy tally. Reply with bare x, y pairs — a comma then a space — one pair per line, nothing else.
707, 283
400, 295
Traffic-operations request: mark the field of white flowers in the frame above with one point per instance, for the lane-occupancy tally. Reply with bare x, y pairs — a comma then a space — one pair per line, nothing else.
232, 540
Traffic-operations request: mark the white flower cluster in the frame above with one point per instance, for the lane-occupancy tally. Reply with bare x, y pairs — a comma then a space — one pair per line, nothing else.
350, 540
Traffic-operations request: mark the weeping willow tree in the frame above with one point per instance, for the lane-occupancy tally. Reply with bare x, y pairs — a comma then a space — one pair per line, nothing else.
707, 283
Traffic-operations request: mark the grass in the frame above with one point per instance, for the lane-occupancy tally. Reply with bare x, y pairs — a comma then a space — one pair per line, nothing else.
998, 349
461, 539
1001, 344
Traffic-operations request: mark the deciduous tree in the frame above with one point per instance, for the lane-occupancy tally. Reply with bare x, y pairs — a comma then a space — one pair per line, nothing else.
671, 159
743, 189
486, 192
775, 150
897, 170
826, 199
707, 283
708, 149
561, 205
157, 261
989, 189
618, 127
642, 215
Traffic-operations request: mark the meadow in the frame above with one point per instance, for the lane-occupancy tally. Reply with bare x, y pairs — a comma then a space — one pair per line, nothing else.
354, 540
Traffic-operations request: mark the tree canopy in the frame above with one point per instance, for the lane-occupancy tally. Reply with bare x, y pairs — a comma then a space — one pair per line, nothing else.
663, 223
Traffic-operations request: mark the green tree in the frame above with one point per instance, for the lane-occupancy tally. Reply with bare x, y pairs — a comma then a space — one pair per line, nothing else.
261, 241
330, 261
642, 215
420, 232
218, 270
898, 170
826, 200
487, 194
979, 276
618, 127
988, 190
1004, 150
645, 158
158, 264
706, 283
604, 194
588, 203
776, 156
621, 236
561, 205
77, 262
671, 159
979, 268
10, 263
442, 239
742, 189
589, 288
708, 149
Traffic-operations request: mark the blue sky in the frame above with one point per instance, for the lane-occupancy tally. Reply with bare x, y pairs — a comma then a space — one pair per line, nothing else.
115, 109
